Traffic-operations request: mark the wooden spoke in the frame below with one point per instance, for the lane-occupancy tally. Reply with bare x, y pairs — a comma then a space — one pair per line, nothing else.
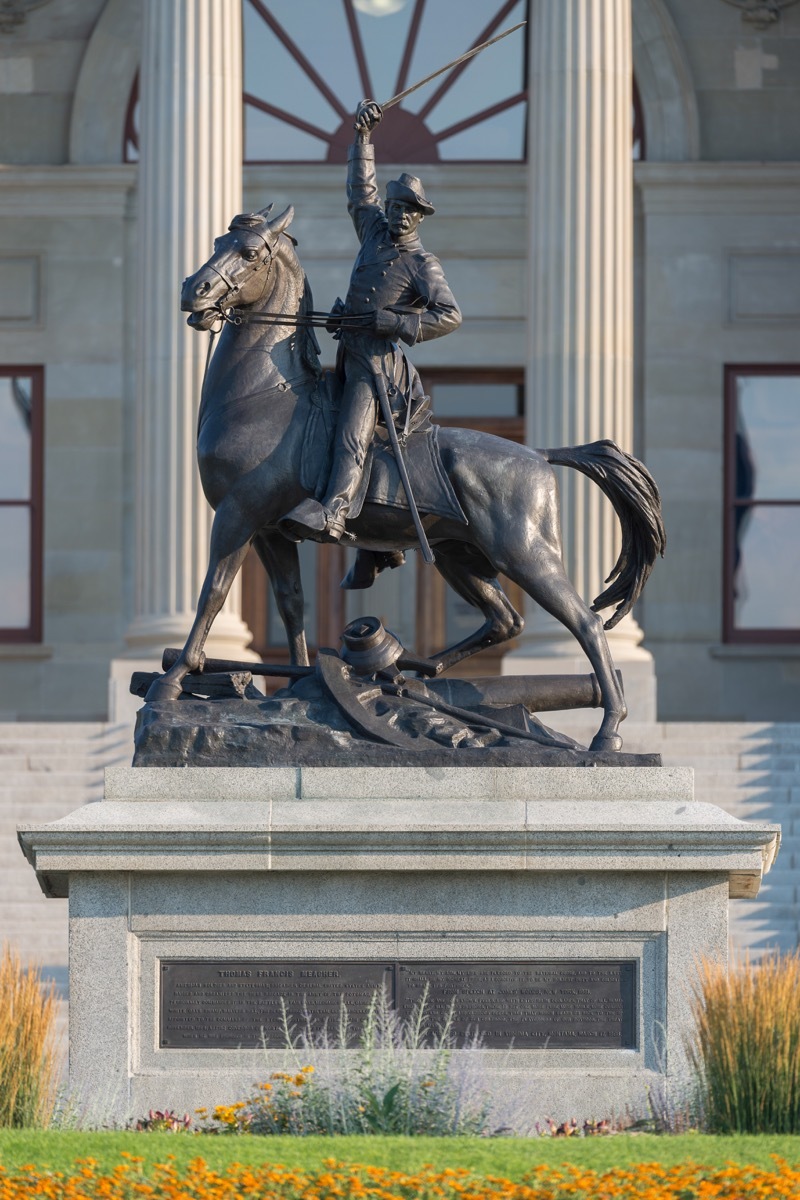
483, 115
358, 49
282, 115
450, 79
410, 46
297, 54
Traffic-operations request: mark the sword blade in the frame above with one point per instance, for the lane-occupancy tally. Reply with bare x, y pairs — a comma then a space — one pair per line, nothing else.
469, 54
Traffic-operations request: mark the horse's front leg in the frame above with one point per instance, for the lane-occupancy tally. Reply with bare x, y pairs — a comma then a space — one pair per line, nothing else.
230, 541
282, 564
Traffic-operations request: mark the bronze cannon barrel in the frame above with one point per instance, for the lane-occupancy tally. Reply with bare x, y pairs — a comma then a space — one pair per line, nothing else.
538, 693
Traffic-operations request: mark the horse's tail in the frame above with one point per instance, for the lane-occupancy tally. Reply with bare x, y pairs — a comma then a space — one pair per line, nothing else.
633, 492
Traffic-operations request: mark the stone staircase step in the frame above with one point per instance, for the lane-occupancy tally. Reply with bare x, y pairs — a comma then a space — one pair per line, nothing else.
70, 796
64, 764
13, 762
47, 770
701, 762
77, 731
47, 780
746, 777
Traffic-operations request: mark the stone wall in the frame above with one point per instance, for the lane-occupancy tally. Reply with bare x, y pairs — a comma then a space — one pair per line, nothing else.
704, 224
73, 222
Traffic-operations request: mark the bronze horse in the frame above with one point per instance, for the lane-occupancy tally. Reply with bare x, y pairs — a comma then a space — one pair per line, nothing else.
255, 402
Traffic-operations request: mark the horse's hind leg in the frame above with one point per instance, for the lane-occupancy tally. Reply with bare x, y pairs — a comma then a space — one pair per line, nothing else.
282, 564
546, 582
230, 541
470, 575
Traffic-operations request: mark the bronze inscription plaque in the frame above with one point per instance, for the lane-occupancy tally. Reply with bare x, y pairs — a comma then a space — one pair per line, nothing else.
544, 1004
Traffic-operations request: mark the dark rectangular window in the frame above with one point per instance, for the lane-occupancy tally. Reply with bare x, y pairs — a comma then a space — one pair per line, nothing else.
21, 440
762, 491
491, 399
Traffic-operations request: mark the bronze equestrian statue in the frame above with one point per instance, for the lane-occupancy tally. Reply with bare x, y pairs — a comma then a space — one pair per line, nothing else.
266, 403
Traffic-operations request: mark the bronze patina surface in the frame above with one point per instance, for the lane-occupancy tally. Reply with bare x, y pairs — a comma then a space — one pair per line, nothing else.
576, 1004
265, 392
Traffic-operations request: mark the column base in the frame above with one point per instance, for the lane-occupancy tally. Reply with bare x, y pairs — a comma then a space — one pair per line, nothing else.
545, 650
148, 638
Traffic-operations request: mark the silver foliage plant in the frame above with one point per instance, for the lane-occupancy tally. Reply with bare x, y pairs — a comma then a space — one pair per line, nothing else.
395, 1077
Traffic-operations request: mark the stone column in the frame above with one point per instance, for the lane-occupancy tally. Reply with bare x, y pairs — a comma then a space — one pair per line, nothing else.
190, 185
580, 336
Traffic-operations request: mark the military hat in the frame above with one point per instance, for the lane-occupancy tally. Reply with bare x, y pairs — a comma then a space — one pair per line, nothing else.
409, 188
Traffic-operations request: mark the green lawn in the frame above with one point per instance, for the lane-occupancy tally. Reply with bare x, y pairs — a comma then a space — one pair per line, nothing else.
510, 1157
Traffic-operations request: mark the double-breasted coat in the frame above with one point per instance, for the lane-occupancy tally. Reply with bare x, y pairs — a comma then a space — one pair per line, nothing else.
398, 277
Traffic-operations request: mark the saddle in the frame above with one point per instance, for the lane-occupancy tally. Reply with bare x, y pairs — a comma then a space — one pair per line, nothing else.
380, 483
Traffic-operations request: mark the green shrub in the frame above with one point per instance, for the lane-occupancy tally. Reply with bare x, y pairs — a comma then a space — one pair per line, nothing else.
28, 1060
745, 1051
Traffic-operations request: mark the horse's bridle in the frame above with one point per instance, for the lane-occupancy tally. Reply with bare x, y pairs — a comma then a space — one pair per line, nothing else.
314, 319
233, 286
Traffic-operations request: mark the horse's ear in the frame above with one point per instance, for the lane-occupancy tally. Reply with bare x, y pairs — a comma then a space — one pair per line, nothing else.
264, 212
279, 223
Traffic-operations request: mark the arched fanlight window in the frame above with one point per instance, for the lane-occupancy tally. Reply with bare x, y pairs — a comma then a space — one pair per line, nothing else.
307, 63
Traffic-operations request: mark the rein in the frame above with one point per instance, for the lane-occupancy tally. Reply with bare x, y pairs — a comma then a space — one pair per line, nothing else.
310, 320
315, 319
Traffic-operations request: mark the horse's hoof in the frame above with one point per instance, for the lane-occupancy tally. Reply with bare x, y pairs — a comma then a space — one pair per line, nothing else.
163, 689
604, 742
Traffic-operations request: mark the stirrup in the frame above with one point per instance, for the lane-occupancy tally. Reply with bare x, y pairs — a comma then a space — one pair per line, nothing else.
310, 520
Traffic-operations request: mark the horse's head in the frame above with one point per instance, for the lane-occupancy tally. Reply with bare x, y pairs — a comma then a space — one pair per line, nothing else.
238, 271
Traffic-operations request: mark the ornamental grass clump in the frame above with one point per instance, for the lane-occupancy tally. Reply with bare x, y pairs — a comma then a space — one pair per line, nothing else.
746, 1045
28, 1059
396, 1077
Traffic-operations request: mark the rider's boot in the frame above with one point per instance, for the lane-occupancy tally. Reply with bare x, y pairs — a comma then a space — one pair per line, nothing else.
325, 522
368, 566
311, 521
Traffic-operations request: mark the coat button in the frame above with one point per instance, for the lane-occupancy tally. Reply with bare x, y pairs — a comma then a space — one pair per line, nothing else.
366, 299
372, 289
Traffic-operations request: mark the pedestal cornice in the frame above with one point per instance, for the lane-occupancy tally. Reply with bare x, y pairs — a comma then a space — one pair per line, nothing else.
328, 819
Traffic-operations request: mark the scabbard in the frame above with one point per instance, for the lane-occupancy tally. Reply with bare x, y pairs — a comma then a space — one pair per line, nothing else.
388, 416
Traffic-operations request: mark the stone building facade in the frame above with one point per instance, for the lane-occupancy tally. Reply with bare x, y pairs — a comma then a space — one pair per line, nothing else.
652, 295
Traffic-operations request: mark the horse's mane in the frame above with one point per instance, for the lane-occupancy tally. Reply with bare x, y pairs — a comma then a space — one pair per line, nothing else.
306, 338
309, 346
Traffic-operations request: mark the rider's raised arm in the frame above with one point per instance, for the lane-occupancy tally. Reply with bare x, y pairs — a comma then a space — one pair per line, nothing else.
363, 198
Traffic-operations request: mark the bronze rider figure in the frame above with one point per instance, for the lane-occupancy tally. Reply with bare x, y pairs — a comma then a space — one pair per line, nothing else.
403, 289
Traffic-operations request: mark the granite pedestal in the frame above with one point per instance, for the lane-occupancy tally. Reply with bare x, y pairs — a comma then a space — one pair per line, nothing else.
408, 866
